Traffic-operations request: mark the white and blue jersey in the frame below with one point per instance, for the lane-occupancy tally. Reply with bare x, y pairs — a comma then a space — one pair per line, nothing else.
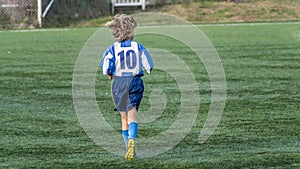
125, 61
127, 58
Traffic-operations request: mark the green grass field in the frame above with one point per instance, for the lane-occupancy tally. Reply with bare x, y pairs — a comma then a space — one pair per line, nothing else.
259, 128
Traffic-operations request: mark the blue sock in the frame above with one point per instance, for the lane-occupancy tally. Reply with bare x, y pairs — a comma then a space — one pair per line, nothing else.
125, 137
133, 130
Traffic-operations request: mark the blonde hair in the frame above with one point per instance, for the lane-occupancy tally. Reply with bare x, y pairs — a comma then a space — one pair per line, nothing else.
122, 27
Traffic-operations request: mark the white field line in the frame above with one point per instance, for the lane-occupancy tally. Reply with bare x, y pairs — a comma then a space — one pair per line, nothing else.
186, 25
227, 24
251, 24
42, 30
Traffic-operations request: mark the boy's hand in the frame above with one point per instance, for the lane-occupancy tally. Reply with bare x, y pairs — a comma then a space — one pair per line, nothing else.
111, 77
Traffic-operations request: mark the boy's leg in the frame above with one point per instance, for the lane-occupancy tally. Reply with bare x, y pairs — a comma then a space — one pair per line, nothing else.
132, 123
124, 120
124, 127
132, 131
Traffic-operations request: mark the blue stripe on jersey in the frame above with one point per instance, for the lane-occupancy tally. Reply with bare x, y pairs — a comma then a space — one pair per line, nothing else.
147, 60
127, 58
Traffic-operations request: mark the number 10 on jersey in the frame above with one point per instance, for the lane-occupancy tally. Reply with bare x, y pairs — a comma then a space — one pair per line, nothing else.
128, 59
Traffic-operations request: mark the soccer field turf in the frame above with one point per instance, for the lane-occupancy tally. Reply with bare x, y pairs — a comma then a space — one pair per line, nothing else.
259, 127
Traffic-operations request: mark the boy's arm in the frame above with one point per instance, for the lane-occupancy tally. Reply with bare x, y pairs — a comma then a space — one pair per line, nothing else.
107, 63
147, 61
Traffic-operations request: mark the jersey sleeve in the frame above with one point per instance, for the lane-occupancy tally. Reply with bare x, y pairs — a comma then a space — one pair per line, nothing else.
147, 62
108, 61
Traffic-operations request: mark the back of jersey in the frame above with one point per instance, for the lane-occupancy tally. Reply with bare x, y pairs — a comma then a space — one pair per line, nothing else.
127, 58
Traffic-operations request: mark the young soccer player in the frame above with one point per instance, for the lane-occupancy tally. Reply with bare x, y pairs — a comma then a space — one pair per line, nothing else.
124, 62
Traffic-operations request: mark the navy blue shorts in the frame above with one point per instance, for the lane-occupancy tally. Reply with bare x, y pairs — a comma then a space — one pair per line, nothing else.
127, 92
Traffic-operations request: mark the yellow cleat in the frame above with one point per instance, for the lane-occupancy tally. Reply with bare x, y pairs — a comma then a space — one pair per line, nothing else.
130, 152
